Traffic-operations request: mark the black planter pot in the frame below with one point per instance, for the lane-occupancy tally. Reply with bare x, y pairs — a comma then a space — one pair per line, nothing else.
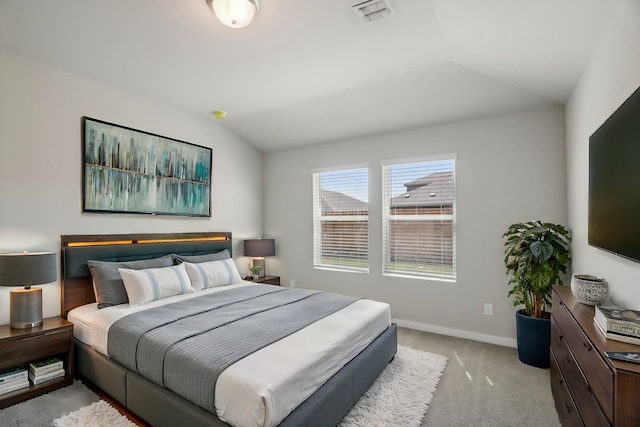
534, 340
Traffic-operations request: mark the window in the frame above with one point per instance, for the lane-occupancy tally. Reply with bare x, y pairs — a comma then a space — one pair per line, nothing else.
419, 218
341, 219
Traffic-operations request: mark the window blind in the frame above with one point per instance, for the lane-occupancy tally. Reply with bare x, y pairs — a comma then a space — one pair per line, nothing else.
341, 219
419, 220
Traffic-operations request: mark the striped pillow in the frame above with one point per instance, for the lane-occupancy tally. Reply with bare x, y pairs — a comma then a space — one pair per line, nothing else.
210, 274
152, 284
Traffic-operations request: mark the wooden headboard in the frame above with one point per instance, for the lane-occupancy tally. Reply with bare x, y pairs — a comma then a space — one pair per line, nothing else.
76, 250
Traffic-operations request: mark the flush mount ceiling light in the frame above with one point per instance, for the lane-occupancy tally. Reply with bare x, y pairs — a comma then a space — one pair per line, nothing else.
235, 13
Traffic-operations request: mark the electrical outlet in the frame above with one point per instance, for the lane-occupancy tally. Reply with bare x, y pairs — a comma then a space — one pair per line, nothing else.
488, 309
292, 283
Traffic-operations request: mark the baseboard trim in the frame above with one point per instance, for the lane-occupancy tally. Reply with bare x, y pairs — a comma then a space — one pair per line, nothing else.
474, 336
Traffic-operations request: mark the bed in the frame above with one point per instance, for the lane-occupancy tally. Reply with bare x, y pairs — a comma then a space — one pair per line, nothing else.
336, 388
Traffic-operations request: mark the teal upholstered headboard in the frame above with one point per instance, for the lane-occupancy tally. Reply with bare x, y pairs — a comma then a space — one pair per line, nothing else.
76, 250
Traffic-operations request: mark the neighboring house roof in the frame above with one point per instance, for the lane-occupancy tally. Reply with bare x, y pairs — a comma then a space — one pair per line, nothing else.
333, 201
436, 189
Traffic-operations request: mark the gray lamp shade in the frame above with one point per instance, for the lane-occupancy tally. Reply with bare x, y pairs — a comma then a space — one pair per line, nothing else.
259, 247
26, 269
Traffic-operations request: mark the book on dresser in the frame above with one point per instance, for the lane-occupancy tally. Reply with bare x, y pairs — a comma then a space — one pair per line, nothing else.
621, 323
629, 339
627, 356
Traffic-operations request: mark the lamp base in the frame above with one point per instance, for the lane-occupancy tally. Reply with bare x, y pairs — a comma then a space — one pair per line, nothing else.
26, 308
259, 262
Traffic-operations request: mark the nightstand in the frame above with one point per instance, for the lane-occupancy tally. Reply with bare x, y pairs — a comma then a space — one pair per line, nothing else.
21, 346
268, 280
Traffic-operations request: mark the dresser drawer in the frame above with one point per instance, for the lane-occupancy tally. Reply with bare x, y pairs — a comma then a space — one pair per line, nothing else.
597, 373
579, 387
36, 345
567, 412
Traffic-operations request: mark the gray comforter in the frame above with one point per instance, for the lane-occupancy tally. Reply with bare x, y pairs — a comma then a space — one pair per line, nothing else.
185, 346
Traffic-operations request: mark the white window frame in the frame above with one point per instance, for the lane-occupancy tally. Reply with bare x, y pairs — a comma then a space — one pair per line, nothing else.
387, 268
319, 219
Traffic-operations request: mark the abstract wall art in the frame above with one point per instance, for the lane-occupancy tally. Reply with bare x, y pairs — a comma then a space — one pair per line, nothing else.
131, 171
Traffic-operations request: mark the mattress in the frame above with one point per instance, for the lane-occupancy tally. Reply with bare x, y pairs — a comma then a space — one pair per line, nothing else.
264, 387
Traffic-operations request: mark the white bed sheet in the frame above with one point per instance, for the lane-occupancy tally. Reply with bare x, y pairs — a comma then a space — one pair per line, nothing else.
264, 387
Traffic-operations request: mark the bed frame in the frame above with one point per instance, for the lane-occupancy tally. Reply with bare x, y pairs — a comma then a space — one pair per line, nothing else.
158, 406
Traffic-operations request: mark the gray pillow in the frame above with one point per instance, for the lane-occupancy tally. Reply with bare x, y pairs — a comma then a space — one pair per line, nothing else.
215, 256
107, 282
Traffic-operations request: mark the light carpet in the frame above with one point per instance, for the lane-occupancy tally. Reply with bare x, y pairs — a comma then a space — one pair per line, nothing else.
399, 397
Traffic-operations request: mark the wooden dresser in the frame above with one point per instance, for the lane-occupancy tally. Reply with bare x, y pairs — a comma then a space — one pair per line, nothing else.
588, 388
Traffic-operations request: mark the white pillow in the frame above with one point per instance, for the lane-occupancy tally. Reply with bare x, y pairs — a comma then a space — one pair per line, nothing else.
152, 284
210, 274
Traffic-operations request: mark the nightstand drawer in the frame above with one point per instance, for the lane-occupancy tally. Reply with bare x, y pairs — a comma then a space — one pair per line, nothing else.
37, 345
268, 280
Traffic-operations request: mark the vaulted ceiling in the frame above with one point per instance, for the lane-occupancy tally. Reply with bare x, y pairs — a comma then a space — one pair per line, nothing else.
308, 72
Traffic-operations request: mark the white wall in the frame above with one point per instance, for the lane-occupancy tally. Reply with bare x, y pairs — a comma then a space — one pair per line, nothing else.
509, 169
610, 78
40, 165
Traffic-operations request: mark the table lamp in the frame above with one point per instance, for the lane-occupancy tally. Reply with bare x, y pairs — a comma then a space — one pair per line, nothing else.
26, 269
260, 248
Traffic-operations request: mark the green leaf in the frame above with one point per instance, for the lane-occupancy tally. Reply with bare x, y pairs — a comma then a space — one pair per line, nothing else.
542, 251
541, 279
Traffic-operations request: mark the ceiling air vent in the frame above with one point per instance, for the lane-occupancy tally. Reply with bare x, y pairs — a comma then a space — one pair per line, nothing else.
372, 10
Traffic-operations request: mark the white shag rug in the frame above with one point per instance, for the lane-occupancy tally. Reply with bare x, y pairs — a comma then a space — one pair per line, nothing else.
400, 396
98, 414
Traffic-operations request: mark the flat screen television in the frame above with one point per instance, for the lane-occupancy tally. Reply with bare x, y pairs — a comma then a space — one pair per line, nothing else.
614, 182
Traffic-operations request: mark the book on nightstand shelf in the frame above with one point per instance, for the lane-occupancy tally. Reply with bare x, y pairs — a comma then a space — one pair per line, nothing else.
48, 376
12, 374
43, 366
9, 386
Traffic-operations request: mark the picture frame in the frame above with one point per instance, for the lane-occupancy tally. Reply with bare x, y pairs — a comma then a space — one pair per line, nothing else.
126, 170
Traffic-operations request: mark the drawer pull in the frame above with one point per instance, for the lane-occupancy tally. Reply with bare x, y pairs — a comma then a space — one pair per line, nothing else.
45, 334
35, 337
587, 346
589, 389
566, 405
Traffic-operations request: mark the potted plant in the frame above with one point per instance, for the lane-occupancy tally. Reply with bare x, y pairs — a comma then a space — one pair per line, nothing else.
536, 257
255, 271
